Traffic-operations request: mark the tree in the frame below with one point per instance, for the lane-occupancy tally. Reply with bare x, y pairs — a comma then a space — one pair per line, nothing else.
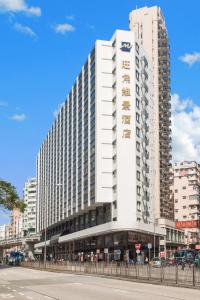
9, 198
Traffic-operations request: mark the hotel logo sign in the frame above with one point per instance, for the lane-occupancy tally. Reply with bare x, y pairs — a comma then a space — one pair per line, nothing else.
126, 46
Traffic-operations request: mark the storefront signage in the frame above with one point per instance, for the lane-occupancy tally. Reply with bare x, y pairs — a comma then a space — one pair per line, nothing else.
188, 224
125, 94
137, 246
126, 46
197, 247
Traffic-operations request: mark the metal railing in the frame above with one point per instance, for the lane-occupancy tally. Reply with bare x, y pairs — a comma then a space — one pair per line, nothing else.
189, 276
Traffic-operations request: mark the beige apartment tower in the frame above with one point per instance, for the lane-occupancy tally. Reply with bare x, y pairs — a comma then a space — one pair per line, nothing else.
186, 195
149, 25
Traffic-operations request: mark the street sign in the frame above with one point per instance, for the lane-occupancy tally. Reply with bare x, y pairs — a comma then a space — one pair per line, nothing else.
162, 254
149, 245
137, 246
38, 251
162, 242
137, 251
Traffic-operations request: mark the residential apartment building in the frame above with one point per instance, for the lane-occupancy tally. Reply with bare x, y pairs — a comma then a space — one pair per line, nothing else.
29, 215
3, 232
95, 183
8, 231
186, 196
16, 223
149, 25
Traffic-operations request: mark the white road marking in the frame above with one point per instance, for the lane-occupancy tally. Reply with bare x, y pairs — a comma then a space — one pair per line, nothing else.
21, 294
6, 296
14, 290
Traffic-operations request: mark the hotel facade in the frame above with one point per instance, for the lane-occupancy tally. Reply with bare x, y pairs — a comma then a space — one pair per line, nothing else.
95, 169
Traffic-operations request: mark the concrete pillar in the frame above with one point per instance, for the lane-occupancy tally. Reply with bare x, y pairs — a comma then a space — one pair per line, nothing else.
1, 253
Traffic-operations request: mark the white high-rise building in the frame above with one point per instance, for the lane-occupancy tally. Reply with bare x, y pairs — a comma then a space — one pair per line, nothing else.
95, 167
148, 23
29, 216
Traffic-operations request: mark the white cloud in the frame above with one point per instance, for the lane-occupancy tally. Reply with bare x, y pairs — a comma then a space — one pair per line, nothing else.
24, 29
56, 111
185, 129
17, 6
3, 104
18, 118
190, 59
70, 17
63, 28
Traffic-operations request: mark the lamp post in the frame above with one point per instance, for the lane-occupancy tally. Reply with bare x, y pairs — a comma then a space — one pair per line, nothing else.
45, 228
154, 237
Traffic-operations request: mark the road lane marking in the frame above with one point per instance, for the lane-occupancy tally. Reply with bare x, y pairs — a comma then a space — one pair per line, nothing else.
6, 296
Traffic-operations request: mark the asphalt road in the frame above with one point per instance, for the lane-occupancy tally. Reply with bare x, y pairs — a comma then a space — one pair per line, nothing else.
20, 283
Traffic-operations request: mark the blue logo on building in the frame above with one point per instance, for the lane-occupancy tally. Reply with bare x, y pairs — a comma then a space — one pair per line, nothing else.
126, 46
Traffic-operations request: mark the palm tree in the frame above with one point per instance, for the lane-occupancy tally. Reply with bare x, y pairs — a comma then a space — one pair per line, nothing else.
9, 198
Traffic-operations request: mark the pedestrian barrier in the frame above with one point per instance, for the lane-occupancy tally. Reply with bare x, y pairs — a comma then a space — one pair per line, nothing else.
176, 275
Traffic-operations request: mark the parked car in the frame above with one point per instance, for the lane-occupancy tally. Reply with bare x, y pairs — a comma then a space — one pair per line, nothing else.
157, 262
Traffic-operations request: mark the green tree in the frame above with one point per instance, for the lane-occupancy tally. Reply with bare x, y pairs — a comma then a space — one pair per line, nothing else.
9, 198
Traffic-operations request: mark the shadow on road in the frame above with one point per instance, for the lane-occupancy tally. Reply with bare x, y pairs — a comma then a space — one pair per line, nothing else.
6, 267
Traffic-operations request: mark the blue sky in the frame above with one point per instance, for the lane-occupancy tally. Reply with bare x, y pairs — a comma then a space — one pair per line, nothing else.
43, 46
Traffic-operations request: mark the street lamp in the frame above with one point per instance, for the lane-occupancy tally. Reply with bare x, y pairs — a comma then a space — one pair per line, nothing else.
45, 228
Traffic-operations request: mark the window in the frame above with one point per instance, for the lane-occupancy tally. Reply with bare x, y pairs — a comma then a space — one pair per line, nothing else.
138, 175
137, 103
138, 131
137, 48
137, 75
184, 197
137, 62
137, 117
115, 204
138, 190
138, 205
184, 217
176, 191
138, 146
184, 187
138, 161
176, 210
176, 200
184, 207
137, 89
